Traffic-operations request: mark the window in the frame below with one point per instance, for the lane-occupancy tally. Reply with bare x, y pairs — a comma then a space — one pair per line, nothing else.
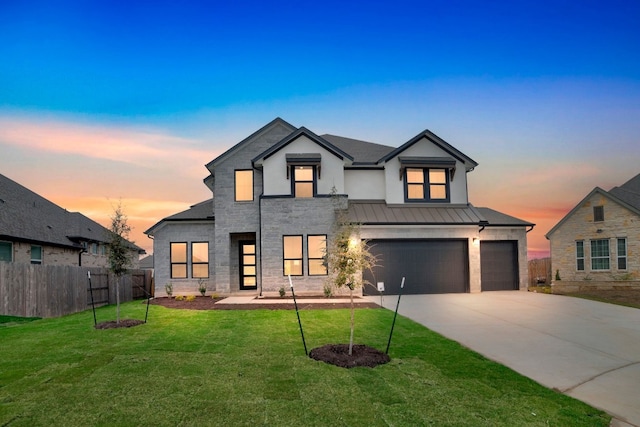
200, 260
600, 254
622, 254
36, 254
598, 213
244, 185
6, 251
303, 181
316, 250
178, 260
426, 185
580, 256
292, 255
94, 248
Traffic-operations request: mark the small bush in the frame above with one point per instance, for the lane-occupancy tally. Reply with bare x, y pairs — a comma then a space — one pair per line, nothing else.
202, 287
180, 298
328, 291
558, 275
282, 292
215, 296
168, 288
191, 298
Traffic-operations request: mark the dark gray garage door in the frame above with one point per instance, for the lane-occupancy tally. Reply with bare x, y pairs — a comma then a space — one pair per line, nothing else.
429, 266
499, 265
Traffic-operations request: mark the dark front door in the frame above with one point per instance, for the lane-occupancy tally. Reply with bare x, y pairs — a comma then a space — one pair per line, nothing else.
248, 265
499, 265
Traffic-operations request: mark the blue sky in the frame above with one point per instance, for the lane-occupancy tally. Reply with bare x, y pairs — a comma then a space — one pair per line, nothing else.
108, 100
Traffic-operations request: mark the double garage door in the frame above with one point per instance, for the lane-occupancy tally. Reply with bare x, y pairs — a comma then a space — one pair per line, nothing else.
439, 266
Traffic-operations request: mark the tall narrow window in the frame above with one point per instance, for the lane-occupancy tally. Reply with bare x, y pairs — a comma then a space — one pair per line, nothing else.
426, 185
36, 254
598, 213
303, 181
6, 251
200, 260
316, 250
600, 254
622, 254
178, 257
244, 185
292, 255
580, 255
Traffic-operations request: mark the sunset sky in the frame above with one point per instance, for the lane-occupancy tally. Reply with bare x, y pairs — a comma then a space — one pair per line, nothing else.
109, 101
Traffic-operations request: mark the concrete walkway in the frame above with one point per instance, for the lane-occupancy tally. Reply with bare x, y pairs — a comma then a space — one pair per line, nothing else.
585, 349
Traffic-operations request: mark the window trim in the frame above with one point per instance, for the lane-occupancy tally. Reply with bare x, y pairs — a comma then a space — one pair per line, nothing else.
595, 258
36, 261
285, 259
314, 180
185, 263
194, 263
309, 259
580, 243
235, 185
427, 185
622, 257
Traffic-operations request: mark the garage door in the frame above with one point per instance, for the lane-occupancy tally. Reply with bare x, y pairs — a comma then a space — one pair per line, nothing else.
499, 265
429, 266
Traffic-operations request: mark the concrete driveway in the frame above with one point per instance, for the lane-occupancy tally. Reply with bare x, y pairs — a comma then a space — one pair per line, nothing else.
585, 349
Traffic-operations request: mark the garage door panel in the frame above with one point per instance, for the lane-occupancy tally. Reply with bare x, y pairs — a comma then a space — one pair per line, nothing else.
429, 266
499, 265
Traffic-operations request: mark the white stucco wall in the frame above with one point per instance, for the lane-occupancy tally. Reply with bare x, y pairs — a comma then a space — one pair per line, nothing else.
423, 148
364, 184
275, 169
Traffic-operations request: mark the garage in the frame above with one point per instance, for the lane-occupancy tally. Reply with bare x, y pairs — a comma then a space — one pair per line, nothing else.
499, 265
431, 266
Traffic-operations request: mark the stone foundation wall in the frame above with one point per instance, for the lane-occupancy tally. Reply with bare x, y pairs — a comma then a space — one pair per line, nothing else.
567, 286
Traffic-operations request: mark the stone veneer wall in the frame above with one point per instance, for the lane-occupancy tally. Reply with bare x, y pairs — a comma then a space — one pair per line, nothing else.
618, 222
290, 216
55, 255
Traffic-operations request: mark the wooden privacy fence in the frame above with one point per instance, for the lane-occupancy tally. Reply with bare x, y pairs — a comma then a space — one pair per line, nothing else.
56, 290
540, 272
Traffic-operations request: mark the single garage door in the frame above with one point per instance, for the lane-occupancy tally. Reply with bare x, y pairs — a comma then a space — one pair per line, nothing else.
429, 266
499, 265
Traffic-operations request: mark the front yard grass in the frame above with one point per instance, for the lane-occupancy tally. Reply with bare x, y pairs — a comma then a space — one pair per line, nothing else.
248, 368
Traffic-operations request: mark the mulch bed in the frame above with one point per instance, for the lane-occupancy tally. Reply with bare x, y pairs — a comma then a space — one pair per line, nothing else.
208, 303
338, 355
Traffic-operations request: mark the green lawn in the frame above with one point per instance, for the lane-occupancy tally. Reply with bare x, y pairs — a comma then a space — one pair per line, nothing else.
194, 368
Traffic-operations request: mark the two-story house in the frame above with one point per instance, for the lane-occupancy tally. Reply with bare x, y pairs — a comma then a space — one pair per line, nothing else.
599, 239
36, 231
275, 196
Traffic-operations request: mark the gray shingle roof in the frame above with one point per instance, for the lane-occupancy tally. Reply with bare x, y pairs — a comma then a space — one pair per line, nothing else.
27, 216
361, 151
629, 192
202, 211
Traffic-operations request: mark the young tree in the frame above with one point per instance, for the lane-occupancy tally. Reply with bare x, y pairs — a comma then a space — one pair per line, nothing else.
347, 257
119, 252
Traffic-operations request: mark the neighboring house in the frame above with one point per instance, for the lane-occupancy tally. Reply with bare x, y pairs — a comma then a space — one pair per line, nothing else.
146, 263
275, 196
37, 231
599, 239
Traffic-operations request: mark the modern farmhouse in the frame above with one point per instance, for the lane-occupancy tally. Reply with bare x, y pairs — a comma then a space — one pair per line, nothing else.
274, 201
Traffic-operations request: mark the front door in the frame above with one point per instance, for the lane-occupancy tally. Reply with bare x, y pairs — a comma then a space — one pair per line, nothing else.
248, 265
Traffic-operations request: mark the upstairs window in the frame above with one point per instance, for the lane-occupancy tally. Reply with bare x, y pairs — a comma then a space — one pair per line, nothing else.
304, 181
6, 251
36, 254
426, 185
600, 254
598, 213
244, 185
580, 255
622, 254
